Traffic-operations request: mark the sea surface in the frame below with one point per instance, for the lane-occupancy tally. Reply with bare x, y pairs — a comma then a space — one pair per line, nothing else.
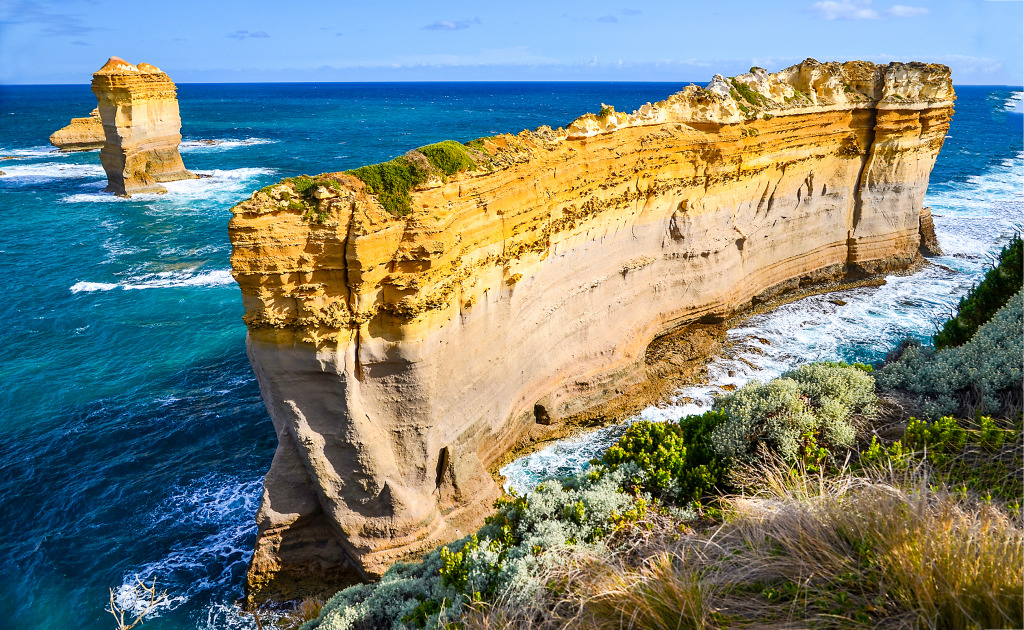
134, 439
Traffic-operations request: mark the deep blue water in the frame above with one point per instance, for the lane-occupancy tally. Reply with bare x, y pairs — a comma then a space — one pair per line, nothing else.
134, 437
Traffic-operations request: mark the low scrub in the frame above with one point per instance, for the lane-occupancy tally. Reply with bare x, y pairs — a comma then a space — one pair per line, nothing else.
392, 181
826, 552
523, 539
1002, 282
984, 374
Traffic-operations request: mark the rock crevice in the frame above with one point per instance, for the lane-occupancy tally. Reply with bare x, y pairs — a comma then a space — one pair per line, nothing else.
401, 356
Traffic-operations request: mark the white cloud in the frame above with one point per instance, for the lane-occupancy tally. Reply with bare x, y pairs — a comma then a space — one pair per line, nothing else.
904, 11
845, 10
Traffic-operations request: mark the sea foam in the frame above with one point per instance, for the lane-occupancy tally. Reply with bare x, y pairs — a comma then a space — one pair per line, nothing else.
160, 280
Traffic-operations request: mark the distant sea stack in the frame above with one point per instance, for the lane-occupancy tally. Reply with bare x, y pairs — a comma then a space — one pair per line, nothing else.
82, 134
405, 339
142, 127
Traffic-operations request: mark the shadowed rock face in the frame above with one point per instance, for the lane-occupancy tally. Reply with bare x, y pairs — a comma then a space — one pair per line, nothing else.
400, 357
82, 134
141, 125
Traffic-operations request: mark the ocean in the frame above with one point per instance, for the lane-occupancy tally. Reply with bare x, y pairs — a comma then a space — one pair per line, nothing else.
134, 437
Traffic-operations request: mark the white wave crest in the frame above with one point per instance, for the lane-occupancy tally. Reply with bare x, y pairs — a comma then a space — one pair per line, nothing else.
220, 144
32, 152
161, 280
212, 183
1015, 103
23, 174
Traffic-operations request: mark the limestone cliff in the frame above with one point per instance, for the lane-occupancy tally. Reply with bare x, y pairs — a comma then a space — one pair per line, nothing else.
142, 127
400, 354
82, 134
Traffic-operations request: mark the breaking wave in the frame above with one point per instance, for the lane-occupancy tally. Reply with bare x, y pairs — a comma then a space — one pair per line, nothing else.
160, 280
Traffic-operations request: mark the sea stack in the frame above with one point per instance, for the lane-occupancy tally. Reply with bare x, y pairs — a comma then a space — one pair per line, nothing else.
142, 127
404, 343
82, 134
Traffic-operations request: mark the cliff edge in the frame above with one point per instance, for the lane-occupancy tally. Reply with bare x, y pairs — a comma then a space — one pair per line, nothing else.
142, 127
409, 322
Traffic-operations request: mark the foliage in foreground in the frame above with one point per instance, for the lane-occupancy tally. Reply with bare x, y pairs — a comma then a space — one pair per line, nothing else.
506, 557
982, 458
979, 306
983, 374
826, 552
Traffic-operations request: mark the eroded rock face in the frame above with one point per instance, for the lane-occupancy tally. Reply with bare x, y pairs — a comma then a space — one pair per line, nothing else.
139, 109
82, 134
400, 357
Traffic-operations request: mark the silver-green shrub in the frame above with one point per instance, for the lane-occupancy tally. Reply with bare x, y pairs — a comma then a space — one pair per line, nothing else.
983, 367
504, 558
812, 401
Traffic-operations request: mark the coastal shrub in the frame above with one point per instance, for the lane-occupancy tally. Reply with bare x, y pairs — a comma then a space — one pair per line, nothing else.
806, 409
506, 557
984, 373
750, 95
819, 551
982, 457
677, 460
449, 157
391, 182
980, 305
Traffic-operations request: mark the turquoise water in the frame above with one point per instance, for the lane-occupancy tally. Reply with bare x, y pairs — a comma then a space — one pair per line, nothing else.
135, 439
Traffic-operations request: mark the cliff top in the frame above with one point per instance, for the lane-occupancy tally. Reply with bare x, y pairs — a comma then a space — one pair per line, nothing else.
810, 86
116, 65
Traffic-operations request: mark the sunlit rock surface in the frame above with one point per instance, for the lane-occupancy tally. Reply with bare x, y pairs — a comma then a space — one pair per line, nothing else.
142, 127
400, 357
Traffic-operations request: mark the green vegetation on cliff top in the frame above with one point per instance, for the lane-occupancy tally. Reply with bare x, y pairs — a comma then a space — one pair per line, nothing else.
392, 181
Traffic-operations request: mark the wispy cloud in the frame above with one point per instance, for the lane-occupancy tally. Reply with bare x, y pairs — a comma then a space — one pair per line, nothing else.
904, 11
79, 42
447, 25
248, 35
608, 19
844, 10
862, 10
55, 22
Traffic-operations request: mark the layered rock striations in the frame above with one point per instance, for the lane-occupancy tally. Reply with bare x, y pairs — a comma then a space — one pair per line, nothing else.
142, 127
82, 134
401, 356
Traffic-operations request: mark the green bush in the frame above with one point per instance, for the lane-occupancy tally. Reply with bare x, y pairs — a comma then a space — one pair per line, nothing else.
1001, 283
981, 457
982, 373
806, 409
677, 461
449, 157
505, 558
391, 183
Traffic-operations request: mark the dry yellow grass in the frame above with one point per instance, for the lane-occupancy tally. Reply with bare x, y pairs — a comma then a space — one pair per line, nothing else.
840, 552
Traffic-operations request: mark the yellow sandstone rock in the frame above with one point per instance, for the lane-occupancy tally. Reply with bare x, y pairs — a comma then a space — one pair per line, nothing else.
82, 134
401, 356
139, 109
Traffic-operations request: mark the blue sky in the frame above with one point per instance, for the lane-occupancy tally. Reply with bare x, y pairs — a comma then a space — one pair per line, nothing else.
379, 40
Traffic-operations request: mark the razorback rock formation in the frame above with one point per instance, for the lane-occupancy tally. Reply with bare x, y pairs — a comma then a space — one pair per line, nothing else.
400, 354
82, 134
139, 109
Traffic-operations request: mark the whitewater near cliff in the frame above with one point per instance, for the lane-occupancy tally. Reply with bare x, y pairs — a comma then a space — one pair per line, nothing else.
187, 412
